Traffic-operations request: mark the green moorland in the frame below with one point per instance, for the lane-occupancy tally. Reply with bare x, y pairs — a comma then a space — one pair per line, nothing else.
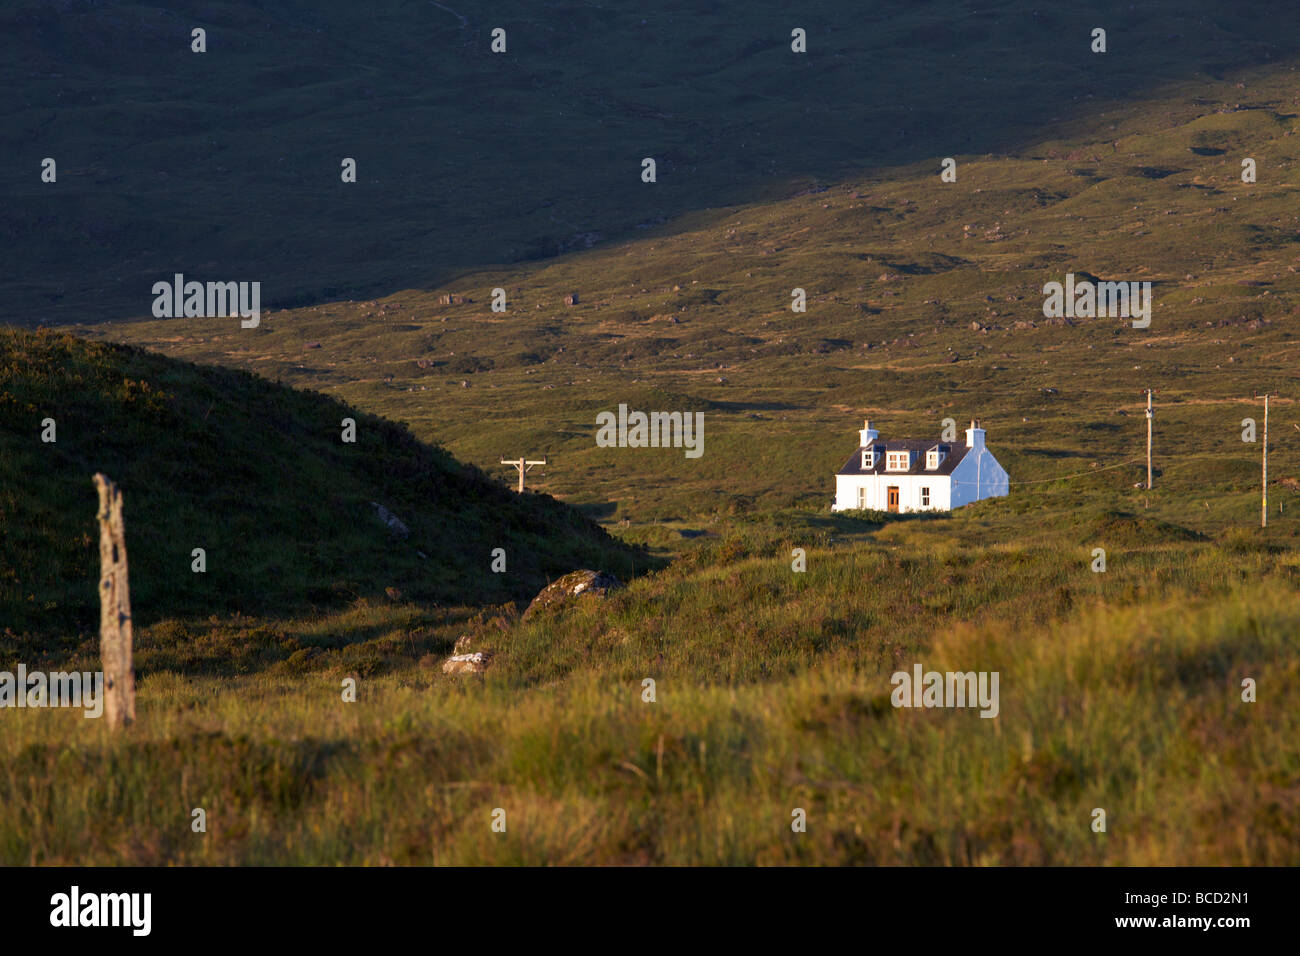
924, 302
1119, 690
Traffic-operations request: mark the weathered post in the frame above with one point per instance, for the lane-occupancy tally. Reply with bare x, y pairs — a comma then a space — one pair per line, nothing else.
114, 608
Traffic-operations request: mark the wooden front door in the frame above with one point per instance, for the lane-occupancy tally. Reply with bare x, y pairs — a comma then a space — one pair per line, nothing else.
893, 497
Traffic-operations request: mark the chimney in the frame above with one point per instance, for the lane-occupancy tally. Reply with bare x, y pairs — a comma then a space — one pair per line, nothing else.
975, 434
867, 434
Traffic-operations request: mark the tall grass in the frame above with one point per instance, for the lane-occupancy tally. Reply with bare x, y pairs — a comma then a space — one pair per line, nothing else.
1132, 705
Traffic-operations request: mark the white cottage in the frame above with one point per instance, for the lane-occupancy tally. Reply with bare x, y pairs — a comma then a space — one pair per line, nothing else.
909, 475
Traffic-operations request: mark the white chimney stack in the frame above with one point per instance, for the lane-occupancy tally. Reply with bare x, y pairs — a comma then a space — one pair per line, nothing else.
975, 434
867, 434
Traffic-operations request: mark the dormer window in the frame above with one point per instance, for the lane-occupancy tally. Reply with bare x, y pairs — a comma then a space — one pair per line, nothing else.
898, 460
868, 459
934, 457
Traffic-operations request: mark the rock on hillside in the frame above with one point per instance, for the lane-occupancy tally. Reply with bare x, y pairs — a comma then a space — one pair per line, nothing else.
573, 586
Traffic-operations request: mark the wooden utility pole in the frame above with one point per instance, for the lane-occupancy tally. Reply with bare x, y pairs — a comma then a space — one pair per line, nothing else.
1150, 416
114, 608
1263, 500
523, 466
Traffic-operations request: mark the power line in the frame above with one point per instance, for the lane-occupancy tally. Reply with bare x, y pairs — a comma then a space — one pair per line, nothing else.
1062, 478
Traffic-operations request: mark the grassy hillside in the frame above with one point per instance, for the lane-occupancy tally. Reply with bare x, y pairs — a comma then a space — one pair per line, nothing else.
1119, 691
225, 165
257, 475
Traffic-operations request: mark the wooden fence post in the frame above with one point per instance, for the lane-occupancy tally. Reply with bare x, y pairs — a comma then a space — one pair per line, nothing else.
114, 608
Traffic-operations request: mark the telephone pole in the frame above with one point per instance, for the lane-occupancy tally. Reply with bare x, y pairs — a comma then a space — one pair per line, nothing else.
1150, 416
1263, 500
523, 466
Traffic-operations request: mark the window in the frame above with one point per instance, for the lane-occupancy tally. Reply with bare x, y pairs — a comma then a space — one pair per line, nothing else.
898, 460
925, 497
868, 459
862, 497
935, 456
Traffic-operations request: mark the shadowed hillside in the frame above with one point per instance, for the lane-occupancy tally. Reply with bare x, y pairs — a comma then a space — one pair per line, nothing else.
225, 165
255, 474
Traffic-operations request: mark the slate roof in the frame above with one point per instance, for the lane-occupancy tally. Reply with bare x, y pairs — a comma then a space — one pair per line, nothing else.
956, 452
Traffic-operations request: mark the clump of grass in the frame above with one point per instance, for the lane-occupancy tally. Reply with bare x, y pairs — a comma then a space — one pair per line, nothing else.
1126, 529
